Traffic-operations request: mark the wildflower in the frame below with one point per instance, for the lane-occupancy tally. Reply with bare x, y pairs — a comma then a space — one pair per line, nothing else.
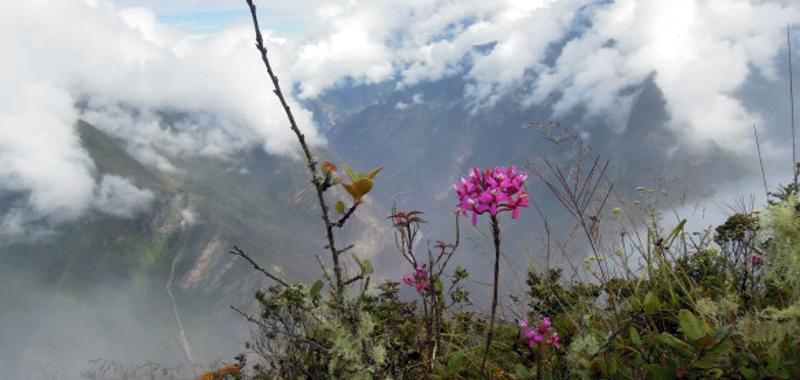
756, 260
543, 334
419, 279
493, 191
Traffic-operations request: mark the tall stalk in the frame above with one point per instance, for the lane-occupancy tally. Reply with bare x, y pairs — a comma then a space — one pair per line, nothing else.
490, 334
320, 185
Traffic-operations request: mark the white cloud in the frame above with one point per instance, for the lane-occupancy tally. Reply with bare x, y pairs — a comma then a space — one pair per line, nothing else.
125, 66
118, 197
700, 51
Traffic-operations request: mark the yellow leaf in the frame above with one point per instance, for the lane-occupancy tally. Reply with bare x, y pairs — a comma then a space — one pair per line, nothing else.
351, 190
363, 186
375, 172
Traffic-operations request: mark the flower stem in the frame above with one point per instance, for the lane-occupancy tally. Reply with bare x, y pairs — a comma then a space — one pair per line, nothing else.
490, 334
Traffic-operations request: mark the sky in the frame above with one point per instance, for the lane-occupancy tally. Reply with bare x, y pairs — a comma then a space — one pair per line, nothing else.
213, 16
118, 63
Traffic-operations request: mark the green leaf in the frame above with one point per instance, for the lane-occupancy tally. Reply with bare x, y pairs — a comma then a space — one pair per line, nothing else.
693, 328
663, 373
361, 265
350, 173
315, 289
455, 362
340, 207
612, 366
672, 342
715, 356
369, 268
437, 286
636, 304
748, 373
675, 232
651, 303
635, 338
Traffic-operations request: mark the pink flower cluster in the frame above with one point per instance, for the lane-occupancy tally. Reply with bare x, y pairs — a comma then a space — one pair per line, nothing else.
419, 279
494, 191
540, 335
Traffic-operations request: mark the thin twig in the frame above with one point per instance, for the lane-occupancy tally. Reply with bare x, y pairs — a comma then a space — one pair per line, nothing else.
238, 252
278, 331
791, 103
318, 182
347, 214
354, 279
761, 161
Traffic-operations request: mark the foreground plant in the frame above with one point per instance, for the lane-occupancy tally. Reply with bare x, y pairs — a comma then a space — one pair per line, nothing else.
493, 191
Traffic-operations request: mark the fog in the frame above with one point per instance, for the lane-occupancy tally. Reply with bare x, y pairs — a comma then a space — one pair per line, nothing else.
191, 153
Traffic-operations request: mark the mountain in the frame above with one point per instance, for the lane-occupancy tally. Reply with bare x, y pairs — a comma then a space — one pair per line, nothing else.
429, 135
124, 288
157, 286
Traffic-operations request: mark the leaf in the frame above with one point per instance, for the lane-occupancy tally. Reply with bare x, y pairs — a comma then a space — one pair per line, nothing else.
363, 186
748, 373
437, 286
315, 289
360, 263
350, 173
675, 233
651, 303
715, 356
455, 362
340, 207
369, 268
373, 173
663, 373
328, 167
693, 328
635, 338
358, 188
351, 190
672, 342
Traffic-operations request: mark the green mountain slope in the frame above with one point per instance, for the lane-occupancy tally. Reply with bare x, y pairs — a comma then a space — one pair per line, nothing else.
165, 265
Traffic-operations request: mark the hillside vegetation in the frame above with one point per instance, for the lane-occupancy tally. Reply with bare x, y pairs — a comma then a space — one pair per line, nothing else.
651, 300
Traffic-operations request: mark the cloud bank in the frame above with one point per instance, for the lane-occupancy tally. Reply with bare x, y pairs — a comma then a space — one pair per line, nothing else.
127, 71
124, 67
569, 54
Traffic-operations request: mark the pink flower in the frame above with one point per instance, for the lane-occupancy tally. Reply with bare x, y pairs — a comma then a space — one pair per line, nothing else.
419, 279
541, 334
493, 191
421, 287
553, 341
756, 260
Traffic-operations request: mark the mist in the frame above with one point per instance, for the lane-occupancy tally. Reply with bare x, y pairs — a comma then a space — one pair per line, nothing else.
136, 151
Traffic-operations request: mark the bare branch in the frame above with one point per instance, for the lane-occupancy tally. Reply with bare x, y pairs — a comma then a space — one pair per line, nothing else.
260, 324
347, 214
318, 182
238, 252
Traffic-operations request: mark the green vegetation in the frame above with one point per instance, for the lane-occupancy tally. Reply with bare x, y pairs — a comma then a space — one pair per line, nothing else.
651, 300
719, 304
